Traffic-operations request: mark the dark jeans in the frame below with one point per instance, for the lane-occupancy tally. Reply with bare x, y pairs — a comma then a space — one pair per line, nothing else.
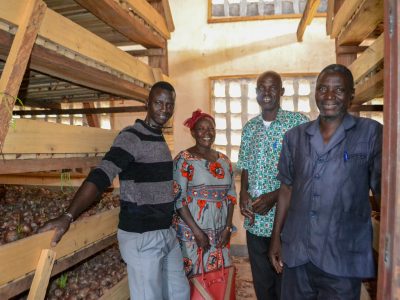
308, 282
267, 283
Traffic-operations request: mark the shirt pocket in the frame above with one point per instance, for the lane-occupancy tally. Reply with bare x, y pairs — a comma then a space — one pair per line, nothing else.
358, 154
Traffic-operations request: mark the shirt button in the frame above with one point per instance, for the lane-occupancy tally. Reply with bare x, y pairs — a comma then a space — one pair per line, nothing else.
313, 213
316, 176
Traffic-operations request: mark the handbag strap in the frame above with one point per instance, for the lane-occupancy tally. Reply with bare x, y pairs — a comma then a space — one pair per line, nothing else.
200, 260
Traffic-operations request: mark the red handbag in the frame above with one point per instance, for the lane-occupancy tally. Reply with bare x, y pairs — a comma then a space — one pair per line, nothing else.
214, 285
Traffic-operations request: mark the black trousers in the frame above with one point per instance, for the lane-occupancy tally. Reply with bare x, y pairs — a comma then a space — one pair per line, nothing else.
308, 282
267, 283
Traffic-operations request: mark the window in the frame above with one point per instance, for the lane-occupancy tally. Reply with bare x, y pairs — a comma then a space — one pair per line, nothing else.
241, 10
233, 103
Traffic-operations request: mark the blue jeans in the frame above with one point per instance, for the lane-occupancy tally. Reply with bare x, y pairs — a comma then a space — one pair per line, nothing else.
155, 265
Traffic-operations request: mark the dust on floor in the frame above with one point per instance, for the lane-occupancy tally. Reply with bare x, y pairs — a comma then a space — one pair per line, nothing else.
244, 280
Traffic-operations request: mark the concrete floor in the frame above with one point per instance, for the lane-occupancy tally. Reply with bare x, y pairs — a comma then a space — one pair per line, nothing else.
244, 280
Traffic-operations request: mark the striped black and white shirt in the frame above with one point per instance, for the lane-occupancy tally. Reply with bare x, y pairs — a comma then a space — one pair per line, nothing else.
141, 158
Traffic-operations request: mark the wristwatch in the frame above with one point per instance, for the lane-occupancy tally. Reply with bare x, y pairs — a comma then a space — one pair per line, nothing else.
229, 228
69, 216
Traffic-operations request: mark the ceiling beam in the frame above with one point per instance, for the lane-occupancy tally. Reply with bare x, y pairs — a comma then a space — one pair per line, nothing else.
135, 19
84, 111
308, 15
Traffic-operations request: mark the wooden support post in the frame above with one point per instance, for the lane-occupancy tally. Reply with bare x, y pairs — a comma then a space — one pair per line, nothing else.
330, 16
160, 61
347, 58
42, 275
92, 119
389, 236
17, 61
168, 15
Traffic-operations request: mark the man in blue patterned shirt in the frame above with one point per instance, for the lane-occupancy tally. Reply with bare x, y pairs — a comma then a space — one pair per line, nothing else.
258, 159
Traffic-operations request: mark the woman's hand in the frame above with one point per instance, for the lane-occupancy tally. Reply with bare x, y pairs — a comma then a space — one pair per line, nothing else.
202, 240
225, 238
61, 226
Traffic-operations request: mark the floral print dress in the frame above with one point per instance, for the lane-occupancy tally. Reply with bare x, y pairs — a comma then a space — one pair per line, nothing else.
206, 188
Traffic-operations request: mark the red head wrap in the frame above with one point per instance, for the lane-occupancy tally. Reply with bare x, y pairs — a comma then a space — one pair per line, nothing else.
196, 116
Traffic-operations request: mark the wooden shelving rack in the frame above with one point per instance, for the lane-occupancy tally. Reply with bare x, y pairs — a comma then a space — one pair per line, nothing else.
75, 43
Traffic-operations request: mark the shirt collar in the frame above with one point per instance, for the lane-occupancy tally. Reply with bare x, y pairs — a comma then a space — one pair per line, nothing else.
151, 129
279, 116
348, 122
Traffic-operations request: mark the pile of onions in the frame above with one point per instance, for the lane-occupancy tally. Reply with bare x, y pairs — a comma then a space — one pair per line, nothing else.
24, 209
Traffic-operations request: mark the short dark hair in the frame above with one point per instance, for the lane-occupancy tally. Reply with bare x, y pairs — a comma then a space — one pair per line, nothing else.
269, 73
162, 85
339, 69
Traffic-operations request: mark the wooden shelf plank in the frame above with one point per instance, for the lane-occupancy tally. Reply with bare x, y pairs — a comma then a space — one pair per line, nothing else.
368, 60
31, 136
372, 107
20, 285
145, 10
91, 109
58, 65
21, 257
120, 291
16, 166
120, 15
369, 89
365, 20
343, 15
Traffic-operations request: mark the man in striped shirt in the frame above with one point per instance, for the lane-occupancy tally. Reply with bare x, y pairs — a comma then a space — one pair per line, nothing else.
148, 244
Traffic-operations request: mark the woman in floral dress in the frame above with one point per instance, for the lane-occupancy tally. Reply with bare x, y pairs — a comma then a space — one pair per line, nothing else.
205, 196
